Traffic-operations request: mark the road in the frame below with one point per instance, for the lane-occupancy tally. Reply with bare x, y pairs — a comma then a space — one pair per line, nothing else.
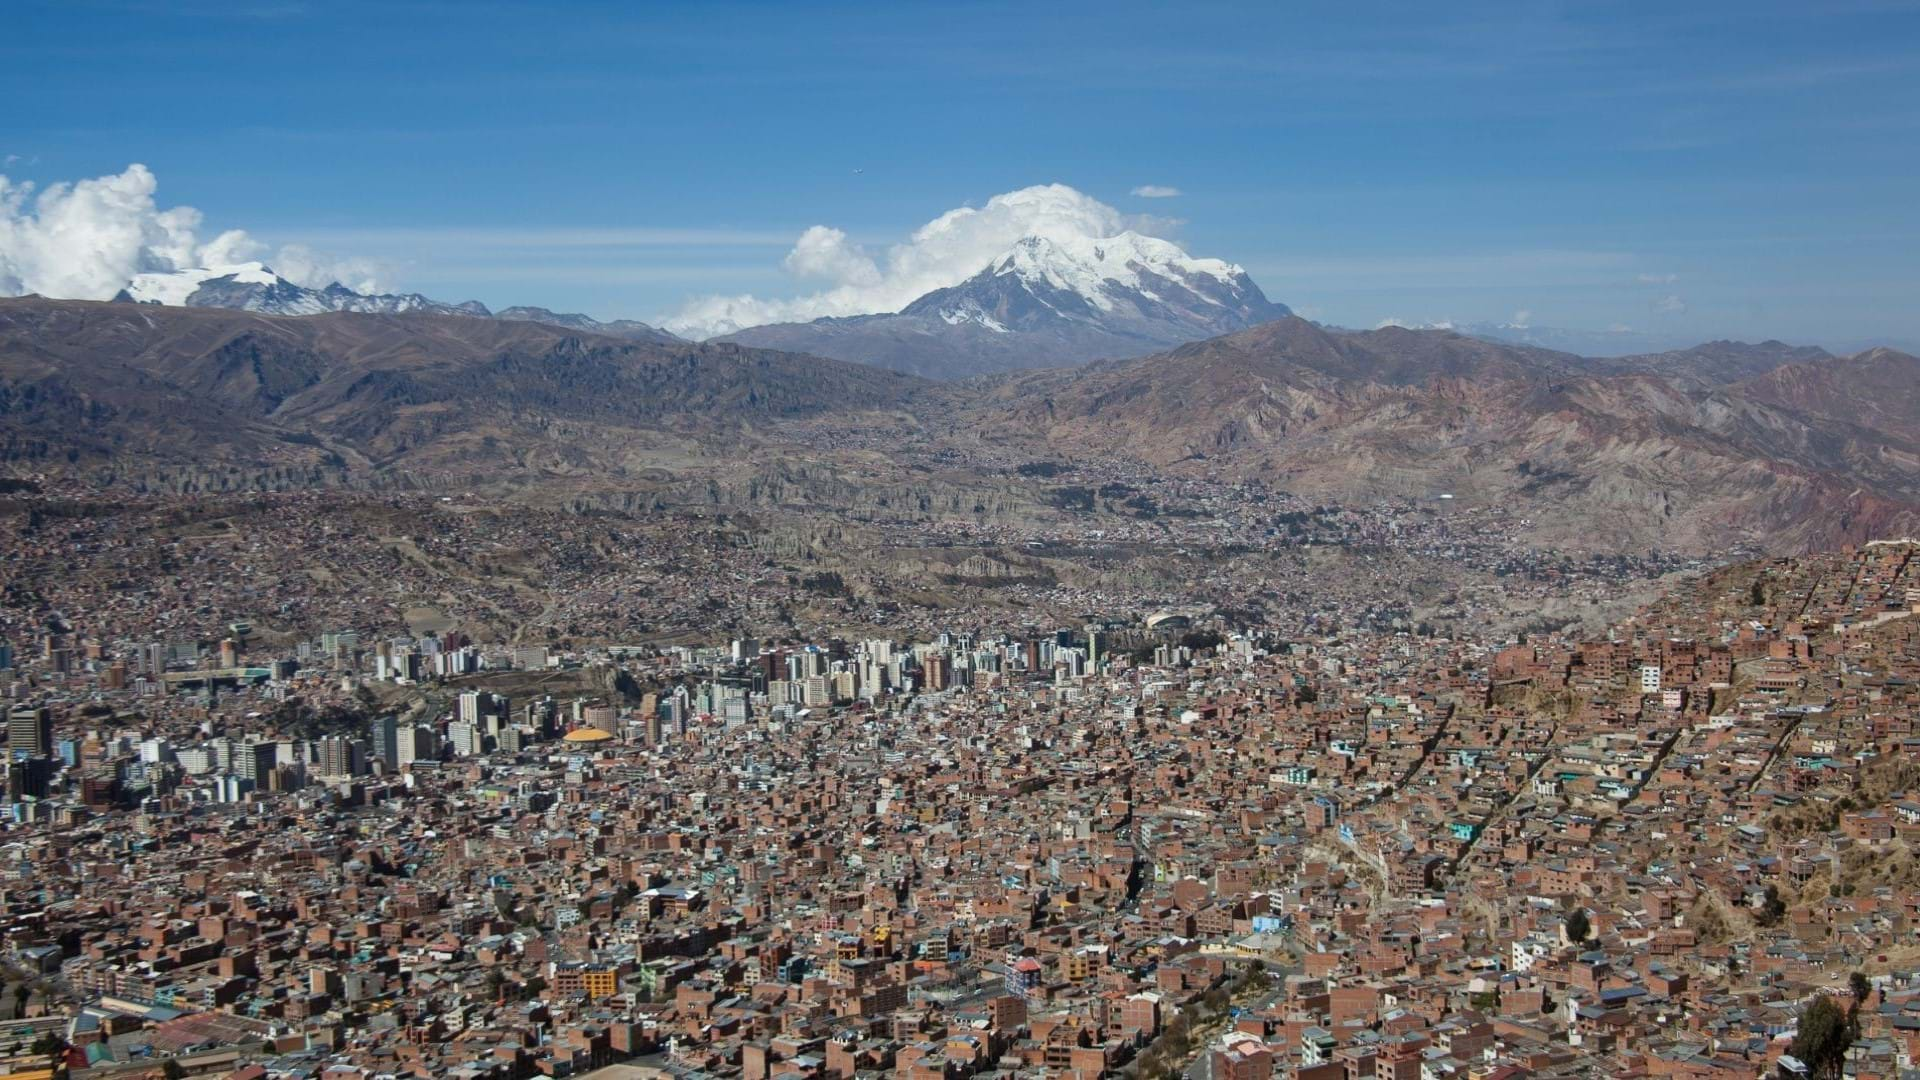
1201, 1067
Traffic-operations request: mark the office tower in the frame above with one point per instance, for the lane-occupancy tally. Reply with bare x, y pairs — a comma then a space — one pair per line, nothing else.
386, 740
255, 761
482, 709
342, 756
601, 716
30, 732
29, 779
939, 671
417, 744
817, 692
465, 738
339, 644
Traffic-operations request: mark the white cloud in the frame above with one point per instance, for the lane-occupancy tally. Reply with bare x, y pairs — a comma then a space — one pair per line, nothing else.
1156, 191
1658, 279
85, 240
945, 251
824, 254
302, 265
1521, 319
1671, 303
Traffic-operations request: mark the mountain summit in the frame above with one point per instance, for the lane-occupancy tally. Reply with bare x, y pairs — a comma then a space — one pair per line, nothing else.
1127, 283
1047, 301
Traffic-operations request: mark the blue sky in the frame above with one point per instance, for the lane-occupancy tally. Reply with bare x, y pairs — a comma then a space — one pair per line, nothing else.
1706, 169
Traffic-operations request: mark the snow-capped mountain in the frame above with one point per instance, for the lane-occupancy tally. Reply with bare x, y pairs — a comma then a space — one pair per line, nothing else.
255, 287
1045, 302
1129, 282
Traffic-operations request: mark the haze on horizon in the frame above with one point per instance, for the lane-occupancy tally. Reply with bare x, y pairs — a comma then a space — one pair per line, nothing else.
1722, 171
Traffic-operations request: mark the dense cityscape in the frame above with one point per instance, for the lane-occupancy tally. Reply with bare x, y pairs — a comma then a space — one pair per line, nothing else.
754, 540
268, 822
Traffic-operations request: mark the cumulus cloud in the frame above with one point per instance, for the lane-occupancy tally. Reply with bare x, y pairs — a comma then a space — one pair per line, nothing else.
302, 265
1671, 303
949, 249
1156, 191
86, 239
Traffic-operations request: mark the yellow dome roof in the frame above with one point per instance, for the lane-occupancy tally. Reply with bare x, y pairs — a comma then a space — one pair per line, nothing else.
587, 735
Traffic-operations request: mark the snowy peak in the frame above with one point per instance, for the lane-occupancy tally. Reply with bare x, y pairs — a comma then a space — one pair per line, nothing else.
1129, 284
1094, 267
173, 288
1049, 299
255, 287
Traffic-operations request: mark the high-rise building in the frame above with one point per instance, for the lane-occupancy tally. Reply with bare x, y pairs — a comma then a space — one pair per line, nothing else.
466, 738
817, 691
386, 740
938, 670
483, 710
255, 761
416, 744
30, 732
601, 716
29, 779
339, 644
342, 756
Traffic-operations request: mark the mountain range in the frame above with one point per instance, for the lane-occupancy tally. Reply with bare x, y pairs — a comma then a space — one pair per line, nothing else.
197, 397
1699, 449
1692, 448
1045, 302
253, 286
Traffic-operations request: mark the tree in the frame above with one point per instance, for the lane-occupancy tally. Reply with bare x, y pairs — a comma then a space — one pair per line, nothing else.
1578, 926
54, 1047
1773, 908
1857, 982
1822, 1039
